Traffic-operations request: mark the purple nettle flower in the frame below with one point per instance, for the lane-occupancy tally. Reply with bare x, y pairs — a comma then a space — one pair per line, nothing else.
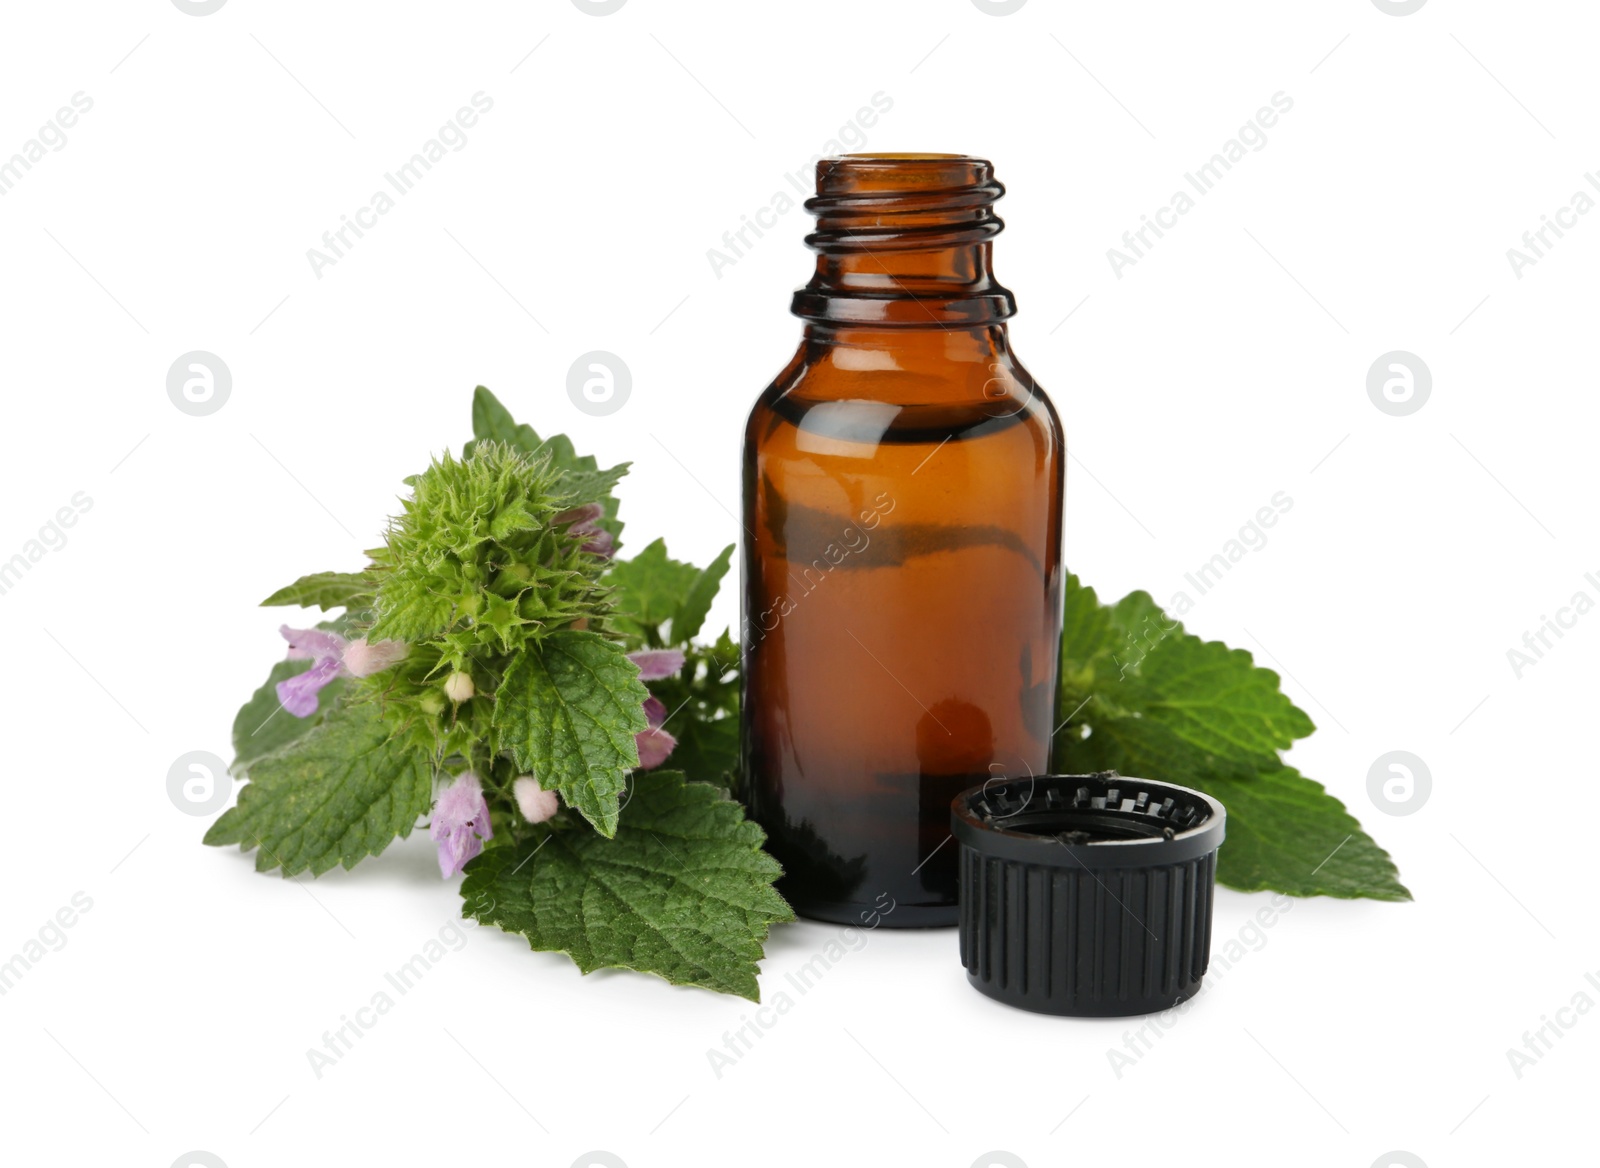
298, 694
334, 656
536, 803
317, 643
655, 664
596, 539
654, 743
460, 823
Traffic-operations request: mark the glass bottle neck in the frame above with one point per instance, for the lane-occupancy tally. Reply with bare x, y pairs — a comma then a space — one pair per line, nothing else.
904, 241
951, 287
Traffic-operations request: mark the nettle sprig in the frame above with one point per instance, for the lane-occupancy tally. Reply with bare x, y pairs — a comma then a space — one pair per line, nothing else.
497, 669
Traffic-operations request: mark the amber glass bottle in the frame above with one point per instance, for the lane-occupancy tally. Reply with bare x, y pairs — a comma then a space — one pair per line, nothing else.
902, 558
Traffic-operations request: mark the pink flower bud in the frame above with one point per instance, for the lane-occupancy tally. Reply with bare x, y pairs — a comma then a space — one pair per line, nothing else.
537, 804
363, 658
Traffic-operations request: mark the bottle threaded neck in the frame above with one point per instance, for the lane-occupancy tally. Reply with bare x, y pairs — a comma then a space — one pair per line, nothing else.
904, 239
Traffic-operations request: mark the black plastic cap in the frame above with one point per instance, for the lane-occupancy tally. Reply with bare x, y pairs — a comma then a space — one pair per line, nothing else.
1086, 895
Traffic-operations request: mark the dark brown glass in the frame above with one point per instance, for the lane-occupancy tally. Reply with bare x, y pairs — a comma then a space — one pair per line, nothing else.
902, 561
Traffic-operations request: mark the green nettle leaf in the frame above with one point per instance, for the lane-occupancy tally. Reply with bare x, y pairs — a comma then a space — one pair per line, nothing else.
1143, 697
1218, 701
567, 710
649, 589
1161, 702
262, 726
1286, 833
691, 614
708, 749
338, 794
1086, 634
492, 422
1199, 705
684, 891
653, 589
588, 485
325, 590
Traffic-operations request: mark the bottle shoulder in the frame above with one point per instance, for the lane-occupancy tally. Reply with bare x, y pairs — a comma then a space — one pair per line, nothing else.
877, 398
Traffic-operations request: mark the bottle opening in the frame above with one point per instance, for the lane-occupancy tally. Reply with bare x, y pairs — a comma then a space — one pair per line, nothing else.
905, 176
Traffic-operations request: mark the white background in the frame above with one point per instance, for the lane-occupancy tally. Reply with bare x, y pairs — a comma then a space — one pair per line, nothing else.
1228, 364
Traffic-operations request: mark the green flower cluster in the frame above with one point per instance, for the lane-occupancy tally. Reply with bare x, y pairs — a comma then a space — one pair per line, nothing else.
482, 562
